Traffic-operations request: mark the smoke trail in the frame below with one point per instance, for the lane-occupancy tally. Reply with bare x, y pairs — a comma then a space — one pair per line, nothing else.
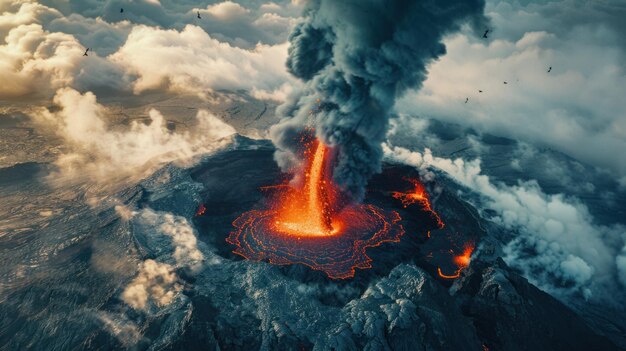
357, 57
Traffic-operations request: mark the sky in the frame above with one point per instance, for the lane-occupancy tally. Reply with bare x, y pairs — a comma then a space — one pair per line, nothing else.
577, 108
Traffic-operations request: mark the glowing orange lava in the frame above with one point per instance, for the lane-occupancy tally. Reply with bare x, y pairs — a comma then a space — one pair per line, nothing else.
462, 261
201, 210
307, 212
304, 224
417, 195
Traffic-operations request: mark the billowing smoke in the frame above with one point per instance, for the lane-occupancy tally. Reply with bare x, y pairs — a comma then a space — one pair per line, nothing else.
356, 57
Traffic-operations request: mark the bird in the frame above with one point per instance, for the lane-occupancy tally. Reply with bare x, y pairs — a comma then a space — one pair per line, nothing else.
506, 83
485, 34
85, 54
549, 69
480, 91
466, 100
199, 15
122, 10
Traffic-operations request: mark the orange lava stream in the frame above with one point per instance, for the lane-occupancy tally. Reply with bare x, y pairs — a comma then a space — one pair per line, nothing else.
462, 261
307, 212
445, 276
417, 195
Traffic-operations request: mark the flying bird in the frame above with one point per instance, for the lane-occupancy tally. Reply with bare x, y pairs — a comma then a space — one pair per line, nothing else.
466, 100
199, 15
480, 91
485, 34
122, 10
506, 83
85, 54
549, 69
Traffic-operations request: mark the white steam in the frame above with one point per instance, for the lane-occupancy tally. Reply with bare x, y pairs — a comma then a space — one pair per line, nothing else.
156, 282
175, 245
558, 246
102, 152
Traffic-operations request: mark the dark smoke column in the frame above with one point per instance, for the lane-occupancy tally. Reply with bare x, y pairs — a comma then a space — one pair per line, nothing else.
357, 57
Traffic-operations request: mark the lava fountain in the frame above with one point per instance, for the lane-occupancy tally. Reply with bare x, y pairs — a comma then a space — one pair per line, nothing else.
305, 224
307, 212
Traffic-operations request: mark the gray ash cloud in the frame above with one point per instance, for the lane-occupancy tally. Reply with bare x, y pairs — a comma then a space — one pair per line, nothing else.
356, 58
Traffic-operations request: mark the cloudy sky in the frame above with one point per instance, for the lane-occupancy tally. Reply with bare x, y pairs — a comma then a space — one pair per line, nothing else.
578, 108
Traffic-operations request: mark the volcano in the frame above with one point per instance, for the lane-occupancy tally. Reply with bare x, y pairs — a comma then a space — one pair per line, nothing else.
305, 224
237, 304
427, 259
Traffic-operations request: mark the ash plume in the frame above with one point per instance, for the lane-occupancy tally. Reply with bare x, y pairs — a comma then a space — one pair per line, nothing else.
356, 57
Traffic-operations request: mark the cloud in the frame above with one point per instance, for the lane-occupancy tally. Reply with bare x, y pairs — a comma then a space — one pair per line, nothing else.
43, 51
227, 10
121, 327
156, 283
39, 54
96, 33
94, 148
279, 94
270, 7
179, 231
36, 62
100, 36
232, 22
171, 241
242, 26
514, 19
577, 108
620, 260
558, 246
27, 13
191, 61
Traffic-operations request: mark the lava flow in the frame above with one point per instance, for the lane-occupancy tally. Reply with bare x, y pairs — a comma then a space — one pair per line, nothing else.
201, 210
305, 225
462, 261
417, 195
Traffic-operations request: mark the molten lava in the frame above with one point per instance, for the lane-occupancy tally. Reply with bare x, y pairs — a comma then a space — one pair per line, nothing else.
304, 224
201, 210
462, 261
307, 212
417, 195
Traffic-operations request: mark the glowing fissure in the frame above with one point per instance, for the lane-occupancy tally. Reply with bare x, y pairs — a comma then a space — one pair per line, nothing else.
417, 195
